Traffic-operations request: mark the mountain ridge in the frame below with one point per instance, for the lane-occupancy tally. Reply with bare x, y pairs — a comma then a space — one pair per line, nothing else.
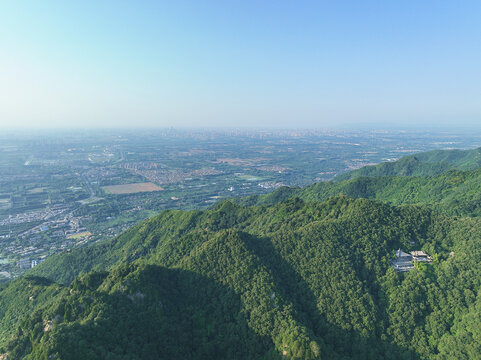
428, 163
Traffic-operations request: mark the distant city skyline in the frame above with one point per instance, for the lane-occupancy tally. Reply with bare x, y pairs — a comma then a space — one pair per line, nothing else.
270, 64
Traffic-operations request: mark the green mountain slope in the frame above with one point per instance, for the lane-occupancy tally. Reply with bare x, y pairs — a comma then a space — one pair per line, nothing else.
303, 279
138, 241
453, 192
423, 164
140, 312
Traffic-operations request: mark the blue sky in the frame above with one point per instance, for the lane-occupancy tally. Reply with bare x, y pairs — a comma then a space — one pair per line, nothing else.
240, 63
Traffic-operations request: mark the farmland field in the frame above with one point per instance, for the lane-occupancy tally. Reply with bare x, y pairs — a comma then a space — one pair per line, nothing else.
5, 203
79, 235
131, 188
36, 190
250, 177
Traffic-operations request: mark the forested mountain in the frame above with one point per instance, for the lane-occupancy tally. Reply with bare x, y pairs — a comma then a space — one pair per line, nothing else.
300, 274
453, 192
423, 164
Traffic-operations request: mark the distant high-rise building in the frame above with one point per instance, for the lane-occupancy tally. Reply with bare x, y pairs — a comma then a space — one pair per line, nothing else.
23, 263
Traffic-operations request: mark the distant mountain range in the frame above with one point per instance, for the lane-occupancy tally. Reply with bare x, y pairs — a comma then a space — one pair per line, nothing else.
423, 164
411, 180
300, 273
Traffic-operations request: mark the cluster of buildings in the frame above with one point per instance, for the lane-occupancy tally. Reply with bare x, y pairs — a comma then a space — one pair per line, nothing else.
270, 185
33, 216
28, 264
405, 261
142, 165
272, 168
64, 224
56, 233
21, 251
163, 176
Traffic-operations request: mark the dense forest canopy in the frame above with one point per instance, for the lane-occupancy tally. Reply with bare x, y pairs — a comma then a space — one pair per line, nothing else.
423, 164
298, 273
454, 192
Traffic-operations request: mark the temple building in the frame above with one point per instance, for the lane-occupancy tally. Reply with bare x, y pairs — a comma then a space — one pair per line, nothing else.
405, 261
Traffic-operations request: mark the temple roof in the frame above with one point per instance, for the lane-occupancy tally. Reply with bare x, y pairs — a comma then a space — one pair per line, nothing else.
400, 253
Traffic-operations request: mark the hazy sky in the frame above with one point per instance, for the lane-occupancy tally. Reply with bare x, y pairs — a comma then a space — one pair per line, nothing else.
239, 63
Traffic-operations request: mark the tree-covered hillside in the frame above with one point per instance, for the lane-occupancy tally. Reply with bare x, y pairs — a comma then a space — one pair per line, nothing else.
296, 279
423, 164
453, 192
